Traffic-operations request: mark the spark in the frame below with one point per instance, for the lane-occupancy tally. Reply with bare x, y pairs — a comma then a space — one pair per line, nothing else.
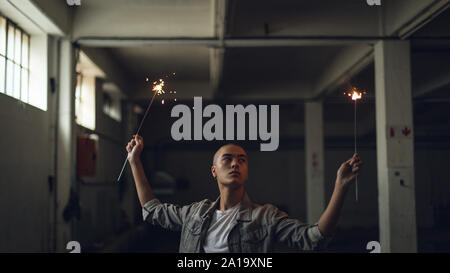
158, 87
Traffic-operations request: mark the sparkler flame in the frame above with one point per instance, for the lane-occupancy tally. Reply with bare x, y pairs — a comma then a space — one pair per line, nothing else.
158, 87
355, 94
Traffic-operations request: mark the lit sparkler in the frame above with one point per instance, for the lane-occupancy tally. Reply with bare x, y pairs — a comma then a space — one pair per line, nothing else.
157, 90
355, 97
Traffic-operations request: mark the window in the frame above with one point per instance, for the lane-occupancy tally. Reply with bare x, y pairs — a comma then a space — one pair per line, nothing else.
107, 104
85, 101
111, 105
14, 60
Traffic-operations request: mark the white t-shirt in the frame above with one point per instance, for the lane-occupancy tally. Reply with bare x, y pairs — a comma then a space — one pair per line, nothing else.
221, 224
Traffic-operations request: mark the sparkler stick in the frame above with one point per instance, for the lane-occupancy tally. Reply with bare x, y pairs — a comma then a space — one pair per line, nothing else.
356, 181
355, 96
157, 90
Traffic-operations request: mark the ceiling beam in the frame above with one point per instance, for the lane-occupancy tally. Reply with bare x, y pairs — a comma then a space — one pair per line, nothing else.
93, 41
421, 18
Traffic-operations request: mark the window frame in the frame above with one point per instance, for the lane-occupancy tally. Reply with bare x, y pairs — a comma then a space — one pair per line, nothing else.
23, 65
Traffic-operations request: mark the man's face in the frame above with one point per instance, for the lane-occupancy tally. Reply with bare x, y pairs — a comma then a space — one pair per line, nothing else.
230, 165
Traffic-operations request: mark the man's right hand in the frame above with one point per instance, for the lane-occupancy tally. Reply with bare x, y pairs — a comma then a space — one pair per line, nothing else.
134, 148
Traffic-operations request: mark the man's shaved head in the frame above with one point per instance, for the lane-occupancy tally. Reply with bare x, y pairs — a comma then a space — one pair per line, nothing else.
217, 154
230, 166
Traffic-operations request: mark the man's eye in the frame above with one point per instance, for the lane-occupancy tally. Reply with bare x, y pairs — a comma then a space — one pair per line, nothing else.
242, 160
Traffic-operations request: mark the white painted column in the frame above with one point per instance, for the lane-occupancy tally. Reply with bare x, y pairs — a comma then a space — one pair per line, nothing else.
395, 147
314, 152
66, 141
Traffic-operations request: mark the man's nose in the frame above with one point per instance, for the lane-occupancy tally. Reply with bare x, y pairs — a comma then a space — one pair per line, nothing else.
235, 163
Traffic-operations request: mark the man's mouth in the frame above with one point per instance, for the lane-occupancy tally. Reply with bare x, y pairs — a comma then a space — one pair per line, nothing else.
235, 173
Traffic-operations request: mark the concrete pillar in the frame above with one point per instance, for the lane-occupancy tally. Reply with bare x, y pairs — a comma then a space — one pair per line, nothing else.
395, 147
314, 152
66, 141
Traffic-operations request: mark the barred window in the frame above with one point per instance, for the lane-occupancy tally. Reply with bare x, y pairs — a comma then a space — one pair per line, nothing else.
85, 101
14, 60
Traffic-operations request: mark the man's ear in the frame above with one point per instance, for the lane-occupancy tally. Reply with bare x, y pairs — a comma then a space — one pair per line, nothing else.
213, 171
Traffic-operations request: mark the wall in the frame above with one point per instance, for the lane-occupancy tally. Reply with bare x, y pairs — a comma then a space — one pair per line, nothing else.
25, 166
100, 195
24, 170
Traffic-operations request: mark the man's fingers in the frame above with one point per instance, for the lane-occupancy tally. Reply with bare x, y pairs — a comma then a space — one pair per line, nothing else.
357, 165
357, 162
140, 141
346, 162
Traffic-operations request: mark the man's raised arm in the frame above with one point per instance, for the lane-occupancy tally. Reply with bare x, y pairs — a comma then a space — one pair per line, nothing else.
345, 176
134, 149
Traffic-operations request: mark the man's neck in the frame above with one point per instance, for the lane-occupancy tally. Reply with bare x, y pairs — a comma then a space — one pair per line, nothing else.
230, 197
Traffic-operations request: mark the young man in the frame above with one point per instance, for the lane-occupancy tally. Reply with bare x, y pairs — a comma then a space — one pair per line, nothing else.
233, 223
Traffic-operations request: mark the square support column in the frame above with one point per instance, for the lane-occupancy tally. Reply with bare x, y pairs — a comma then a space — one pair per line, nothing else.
314, 152
395, 147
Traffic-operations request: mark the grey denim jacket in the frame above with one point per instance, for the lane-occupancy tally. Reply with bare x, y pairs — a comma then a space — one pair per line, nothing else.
256, 229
